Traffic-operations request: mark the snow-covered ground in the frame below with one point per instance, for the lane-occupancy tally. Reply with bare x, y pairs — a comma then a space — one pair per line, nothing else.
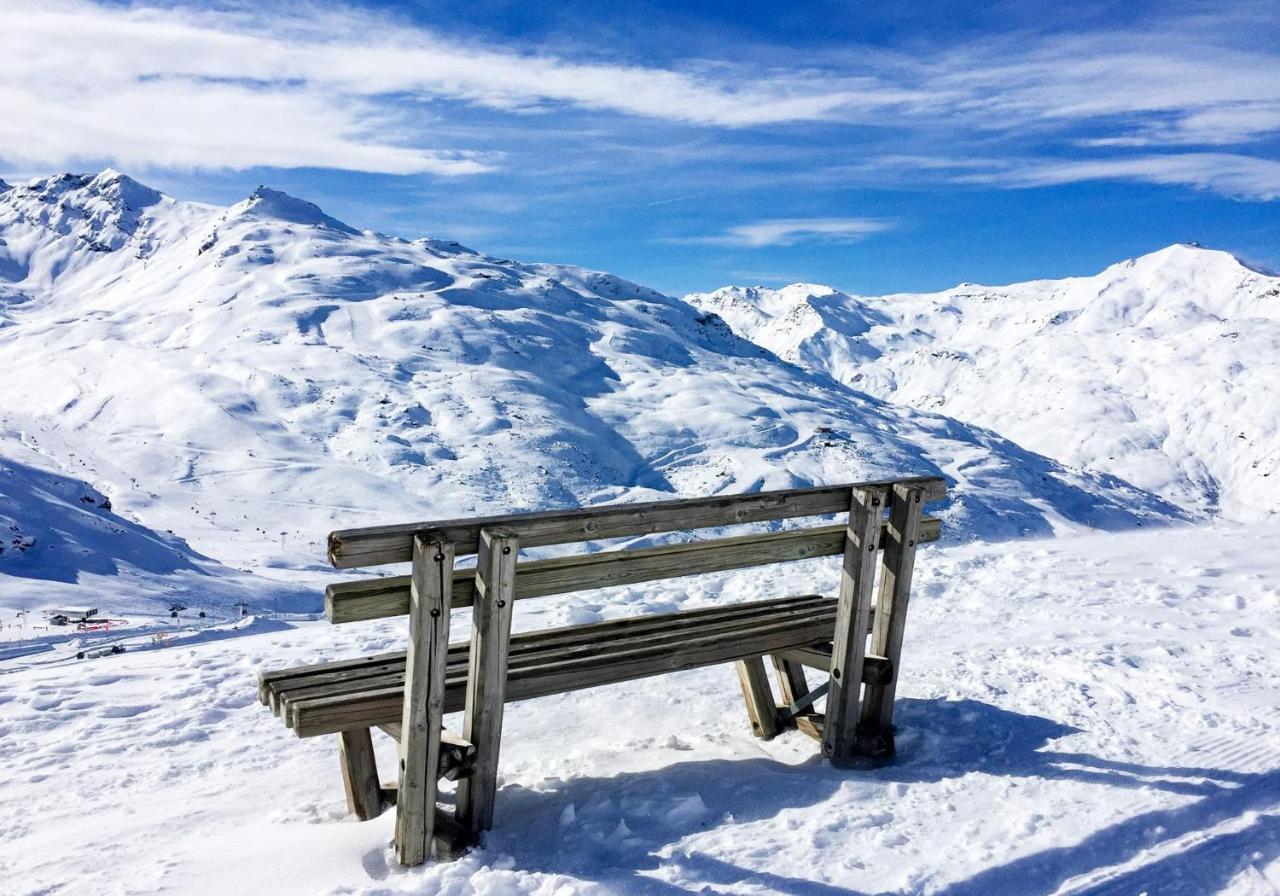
193, 396
1094, 714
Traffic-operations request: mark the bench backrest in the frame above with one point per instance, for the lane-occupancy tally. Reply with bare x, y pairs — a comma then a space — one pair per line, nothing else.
390, 596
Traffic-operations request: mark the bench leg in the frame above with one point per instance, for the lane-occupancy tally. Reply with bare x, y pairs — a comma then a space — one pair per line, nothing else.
360, 773
430, 596
755, 690
853, 614
875, 728
487, 675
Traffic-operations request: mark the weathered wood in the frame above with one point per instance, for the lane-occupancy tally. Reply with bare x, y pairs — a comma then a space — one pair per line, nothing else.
318, 680
321, 715
582, 642
608, 665
791, 683
457, 754
365, 599
452, 839
408, 695
422, 717
811, 725
761, 708
360, 773
487, 678
266, 680
814, 656
375, 545
849, 647
875, 727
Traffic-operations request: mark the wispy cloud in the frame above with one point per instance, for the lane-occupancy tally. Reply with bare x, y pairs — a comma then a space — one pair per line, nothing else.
789, 231
171, 87
303, 87
1239, 176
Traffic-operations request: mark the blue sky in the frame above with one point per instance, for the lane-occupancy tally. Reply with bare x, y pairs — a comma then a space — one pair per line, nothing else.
874, 147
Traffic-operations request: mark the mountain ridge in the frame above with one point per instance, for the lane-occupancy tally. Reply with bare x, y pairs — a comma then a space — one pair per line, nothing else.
1131, 371
251, 382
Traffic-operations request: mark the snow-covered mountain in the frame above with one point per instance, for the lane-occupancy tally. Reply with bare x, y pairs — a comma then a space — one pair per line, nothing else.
1160, 370
252, 377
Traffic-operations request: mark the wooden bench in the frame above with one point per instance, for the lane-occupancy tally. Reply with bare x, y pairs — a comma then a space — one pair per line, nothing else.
408, 694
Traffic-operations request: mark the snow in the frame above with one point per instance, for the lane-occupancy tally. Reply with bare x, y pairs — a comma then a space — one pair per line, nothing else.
251, 378
1158, 370
1085, 714
194, 396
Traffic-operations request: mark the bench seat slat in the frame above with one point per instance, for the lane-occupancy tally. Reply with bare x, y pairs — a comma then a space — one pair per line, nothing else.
559, 660
274, 685
572, 644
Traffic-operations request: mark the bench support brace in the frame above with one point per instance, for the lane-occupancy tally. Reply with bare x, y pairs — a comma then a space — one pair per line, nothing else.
849, 648
487, 675
788, 714
875, 727
756, 691
423, 718
360, 773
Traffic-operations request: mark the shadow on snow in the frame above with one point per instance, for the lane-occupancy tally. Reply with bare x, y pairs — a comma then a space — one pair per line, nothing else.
621, 831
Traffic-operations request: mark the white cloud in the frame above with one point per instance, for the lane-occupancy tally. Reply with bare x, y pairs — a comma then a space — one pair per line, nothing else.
301, 86
174, 88
1244, 177
789, 231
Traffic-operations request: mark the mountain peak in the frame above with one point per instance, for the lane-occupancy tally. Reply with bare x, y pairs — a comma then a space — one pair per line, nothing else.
277, 205
123, 189
1194, 255
107, 186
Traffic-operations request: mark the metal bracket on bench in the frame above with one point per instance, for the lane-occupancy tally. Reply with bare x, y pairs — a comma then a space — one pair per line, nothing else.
795, 709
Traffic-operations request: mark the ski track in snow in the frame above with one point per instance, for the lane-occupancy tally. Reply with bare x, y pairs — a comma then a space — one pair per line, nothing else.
1083, 715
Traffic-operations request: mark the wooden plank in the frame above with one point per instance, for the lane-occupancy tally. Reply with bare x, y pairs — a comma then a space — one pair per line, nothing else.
366, 599
457, 755
320, 715
539, 648
791, 681
876, 720
348, 674
811, 725
360, 773
487, 677
815, 657
849, 647
422, 716
269, 678
371, 546
761, 708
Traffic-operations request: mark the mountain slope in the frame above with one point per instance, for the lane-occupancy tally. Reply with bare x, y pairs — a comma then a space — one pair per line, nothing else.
254, 376
1159, 370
